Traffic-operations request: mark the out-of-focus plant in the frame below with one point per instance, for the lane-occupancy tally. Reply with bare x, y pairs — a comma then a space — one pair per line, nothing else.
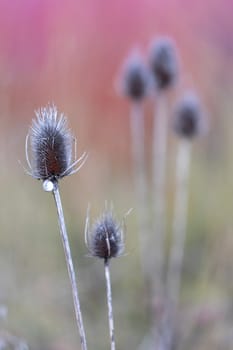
135, 83
188, 122
8, 340
163, 63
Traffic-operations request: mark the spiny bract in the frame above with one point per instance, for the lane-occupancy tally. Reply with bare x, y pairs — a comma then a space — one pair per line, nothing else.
50, 146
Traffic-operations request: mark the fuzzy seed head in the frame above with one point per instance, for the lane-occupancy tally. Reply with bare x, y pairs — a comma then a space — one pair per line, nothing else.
135, 78
163, 63
50, 145
105, 240
188, 116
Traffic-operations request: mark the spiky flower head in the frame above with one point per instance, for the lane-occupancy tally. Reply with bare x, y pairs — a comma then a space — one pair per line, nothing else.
135, 77
105, 238
50, 155
189, 118
163, 62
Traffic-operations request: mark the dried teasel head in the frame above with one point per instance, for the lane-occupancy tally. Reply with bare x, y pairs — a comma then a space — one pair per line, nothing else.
163, 62
49, 147
135, 77
189, 118
105, 239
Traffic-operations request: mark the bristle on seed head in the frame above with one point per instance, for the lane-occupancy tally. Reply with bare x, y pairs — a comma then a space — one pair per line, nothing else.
189, 118
50, 143
105, 238
135, 77
163, 63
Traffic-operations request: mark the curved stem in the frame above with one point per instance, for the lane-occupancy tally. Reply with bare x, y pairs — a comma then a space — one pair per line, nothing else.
70, 266
109, 301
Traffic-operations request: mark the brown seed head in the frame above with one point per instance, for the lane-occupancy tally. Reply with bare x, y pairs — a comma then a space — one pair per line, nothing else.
135, 78
189, 120
105, 239
163, 63
51, 145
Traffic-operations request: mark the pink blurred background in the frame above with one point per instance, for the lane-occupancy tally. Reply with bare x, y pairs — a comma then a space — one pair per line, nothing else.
69, 52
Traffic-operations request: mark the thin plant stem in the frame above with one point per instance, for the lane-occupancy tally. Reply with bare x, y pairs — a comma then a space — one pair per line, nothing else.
70, 267
159, 149
109, 301
177, 246
179, 221
140, 182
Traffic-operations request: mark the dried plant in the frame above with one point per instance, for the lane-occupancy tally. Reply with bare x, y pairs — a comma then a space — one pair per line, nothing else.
105, 240
50, 157
136, 84
163, 63
164, 68
188, 123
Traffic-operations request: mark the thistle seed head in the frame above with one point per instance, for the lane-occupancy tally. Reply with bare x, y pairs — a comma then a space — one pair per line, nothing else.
188, 116
50, 144
135, 78
163, 63
105, 239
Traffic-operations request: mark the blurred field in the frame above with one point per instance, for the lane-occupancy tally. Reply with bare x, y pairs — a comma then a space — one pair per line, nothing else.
69, 53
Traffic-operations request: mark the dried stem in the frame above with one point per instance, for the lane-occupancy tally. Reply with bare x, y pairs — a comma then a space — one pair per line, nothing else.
179, 221
109, 301
138, 154
178, 242
70, 266
159, 171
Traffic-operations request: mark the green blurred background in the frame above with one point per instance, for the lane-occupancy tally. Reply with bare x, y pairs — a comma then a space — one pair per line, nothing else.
70, 52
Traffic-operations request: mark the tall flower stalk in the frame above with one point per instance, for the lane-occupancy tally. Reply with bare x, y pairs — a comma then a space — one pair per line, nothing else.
164, 68
183, 159
188, 123
140, 182
49, 158
105, 241
159, 154
177, 248
135, 85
